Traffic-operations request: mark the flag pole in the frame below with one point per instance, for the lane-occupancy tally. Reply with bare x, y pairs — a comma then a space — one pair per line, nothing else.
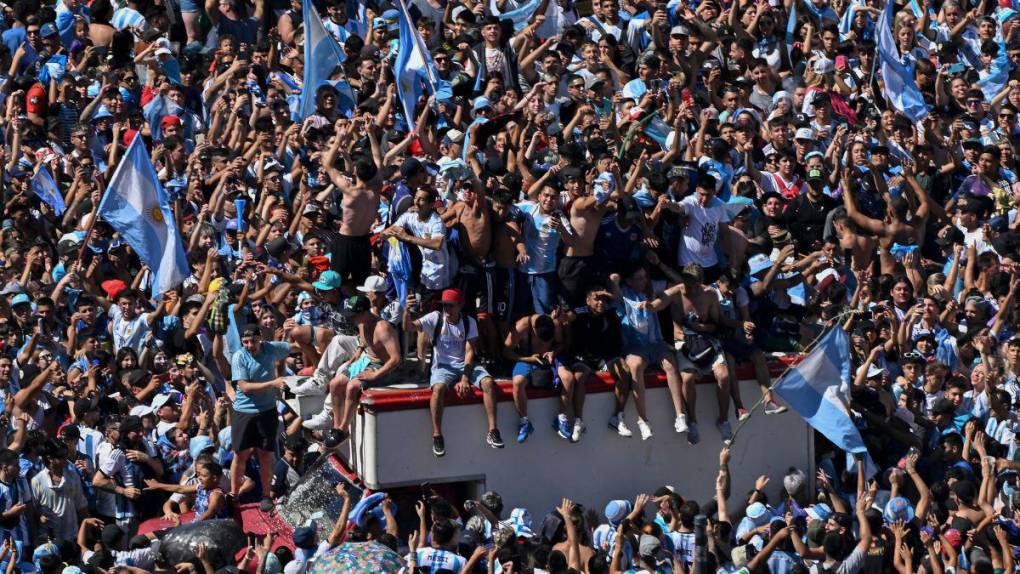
95, 214
810, 347
418, 42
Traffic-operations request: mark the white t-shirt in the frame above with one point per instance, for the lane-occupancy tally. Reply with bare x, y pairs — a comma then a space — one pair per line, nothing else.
130, 333
702, 231
452, 344
435, 263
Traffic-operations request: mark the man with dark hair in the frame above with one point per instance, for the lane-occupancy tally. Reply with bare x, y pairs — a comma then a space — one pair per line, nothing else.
351, 251
124, 470
254, 420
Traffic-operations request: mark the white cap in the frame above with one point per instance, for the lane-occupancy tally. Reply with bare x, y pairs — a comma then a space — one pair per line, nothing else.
373, 284
823, 66
161, 51
804, 134
159, 400
141, 411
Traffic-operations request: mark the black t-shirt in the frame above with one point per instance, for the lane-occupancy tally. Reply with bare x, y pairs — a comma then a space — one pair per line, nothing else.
596, 337
806, 220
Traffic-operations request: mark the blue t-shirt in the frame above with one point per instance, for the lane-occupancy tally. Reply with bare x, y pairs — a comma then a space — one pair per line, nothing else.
540, 239
257, 369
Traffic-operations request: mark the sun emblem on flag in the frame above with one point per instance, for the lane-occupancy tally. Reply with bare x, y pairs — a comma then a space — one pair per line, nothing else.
156, 214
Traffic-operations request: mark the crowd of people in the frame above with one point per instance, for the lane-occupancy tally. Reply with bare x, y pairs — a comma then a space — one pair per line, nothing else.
613, 190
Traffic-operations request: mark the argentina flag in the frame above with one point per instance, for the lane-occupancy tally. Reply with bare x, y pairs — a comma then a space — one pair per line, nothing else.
818, 389
137, 207
322, 56
413, 66
900, 88
46, 189
519, 16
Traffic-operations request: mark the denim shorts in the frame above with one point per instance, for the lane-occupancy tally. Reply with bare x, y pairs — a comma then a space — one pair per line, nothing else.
450, 375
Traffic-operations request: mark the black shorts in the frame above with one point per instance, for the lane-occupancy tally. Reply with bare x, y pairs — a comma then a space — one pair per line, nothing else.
577, 276
352, 258
497, 298
471, 282
254, 430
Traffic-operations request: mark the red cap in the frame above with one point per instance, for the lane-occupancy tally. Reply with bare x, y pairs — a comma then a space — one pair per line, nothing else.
452, 296
113, 287
36, 100
168, 121
129, 135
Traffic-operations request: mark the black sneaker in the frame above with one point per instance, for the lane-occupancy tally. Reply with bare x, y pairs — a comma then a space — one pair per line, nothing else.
438, 446
334, 438
266, 505
494, 439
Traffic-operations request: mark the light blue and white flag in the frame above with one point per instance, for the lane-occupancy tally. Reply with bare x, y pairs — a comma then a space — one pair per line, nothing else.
791, 27
413, 66
994, 79
520, 15
156, 109
658, 130
322, 56
900, 88
138, 208
44, 186
818, 389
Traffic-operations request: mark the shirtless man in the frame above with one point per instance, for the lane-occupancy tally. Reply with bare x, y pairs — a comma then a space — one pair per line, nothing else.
379, 358
532, 345
508, 251
696, 314
577, 268
861, 246
472, 217
352, 252
893, 229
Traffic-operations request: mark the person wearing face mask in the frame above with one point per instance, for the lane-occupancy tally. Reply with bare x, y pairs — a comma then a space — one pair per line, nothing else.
805, 215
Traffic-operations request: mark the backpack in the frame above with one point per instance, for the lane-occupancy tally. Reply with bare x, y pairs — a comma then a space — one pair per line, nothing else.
699, 349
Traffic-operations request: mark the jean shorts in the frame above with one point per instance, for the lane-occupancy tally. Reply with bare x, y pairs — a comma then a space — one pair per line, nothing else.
450, 375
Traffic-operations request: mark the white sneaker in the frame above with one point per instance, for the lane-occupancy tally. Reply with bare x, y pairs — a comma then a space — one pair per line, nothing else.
319, 422
680, 424
579, 429
308, 387
646, 431
621, 428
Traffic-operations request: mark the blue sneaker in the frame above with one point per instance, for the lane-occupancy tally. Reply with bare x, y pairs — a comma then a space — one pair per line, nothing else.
524, 429
564, 429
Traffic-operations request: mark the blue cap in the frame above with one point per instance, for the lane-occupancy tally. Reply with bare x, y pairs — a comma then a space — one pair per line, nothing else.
304, 537
481, 102
102, 112
617, 510
47, 30
20, 299
328, 280
198, 444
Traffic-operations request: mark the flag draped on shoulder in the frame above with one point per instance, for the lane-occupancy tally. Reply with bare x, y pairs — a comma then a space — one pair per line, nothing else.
322, 56
137, 207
